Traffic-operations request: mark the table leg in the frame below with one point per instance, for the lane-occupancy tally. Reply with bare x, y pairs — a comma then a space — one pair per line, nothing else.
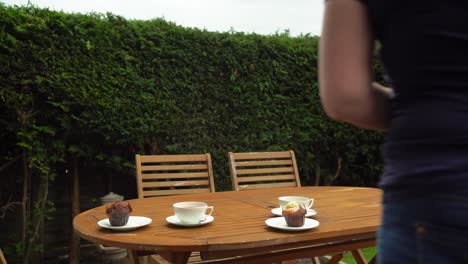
359, 256
336, 258
176, 257
2, 258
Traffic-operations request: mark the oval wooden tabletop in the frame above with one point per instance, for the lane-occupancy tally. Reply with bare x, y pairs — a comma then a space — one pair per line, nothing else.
239, 220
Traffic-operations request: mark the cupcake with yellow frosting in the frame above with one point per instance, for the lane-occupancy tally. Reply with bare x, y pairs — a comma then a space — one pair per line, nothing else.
294, 214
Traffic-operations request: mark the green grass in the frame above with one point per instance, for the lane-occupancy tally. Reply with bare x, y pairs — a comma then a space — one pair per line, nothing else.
369, 253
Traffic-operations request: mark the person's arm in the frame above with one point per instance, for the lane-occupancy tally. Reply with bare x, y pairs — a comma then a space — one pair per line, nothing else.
345, 67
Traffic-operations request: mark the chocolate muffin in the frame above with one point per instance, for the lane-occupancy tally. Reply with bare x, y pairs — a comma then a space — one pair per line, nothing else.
118, 213
294, 214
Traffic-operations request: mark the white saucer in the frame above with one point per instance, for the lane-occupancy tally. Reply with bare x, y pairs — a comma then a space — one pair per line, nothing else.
277, 211
134, 222
280, 223
175, 221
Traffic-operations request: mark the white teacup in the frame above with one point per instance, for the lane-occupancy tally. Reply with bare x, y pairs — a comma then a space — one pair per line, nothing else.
192, 212
302, 200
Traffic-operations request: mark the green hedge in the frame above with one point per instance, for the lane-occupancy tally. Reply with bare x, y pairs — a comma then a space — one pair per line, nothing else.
104, 88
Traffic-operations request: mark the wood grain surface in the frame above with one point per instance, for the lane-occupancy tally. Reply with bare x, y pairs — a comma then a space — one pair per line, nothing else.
344, 213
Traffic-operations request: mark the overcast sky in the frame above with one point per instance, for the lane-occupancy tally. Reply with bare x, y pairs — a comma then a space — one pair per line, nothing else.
260, 16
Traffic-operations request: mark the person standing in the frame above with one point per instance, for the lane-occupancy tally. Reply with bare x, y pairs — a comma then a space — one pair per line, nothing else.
424, 50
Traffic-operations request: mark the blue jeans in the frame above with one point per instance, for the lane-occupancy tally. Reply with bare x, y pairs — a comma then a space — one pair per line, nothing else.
425, 229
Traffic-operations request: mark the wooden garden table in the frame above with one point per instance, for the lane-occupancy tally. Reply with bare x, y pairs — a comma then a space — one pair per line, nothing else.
349, 218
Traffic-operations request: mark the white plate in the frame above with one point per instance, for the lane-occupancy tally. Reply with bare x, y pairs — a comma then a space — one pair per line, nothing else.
278, 212
134, 222
175, 221
280, 223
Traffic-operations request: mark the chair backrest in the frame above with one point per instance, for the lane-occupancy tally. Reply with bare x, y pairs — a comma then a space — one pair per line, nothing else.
257, 170
159, 175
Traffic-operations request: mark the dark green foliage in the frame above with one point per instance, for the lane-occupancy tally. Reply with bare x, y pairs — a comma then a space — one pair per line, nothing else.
105, 88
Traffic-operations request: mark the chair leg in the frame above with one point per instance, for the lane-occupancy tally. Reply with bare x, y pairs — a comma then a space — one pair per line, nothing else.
181, 257
133, 257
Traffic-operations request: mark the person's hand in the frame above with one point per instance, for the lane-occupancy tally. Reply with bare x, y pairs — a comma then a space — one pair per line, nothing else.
386, 91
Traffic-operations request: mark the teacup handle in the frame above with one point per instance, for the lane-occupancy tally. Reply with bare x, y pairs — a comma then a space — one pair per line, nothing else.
309, 204
210, 209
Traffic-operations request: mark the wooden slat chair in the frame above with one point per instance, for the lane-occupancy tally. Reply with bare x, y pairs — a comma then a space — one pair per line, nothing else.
257, 170
159, 175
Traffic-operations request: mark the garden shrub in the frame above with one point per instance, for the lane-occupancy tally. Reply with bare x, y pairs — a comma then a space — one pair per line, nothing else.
106, 87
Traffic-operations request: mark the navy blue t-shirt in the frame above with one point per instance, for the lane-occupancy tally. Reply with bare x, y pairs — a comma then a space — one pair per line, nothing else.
425, 53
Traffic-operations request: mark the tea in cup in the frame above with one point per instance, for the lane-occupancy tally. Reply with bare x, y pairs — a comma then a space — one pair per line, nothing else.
192, 212
302, 200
